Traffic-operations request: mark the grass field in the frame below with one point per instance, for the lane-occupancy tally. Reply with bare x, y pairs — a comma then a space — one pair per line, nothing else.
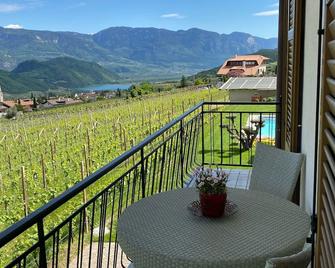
220, 147
46, 152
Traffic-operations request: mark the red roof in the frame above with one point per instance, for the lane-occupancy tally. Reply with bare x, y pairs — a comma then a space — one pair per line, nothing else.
26, 102
9, 103
242, 70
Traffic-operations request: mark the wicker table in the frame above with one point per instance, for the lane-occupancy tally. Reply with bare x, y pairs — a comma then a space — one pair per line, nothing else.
159, 231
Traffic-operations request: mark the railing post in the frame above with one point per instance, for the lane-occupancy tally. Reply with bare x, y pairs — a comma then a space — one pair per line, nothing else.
182, 153
41, 241
202, 136
142, 173
162, 168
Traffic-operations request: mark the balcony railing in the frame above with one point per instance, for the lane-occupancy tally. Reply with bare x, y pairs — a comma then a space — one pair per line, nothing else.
78, 228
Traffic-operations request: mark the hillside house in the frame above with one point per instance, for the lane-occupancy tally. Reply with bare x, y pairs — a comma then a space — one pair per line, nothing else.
27, 104
1, 95
9, 103
254, 89
248, 65
3, 108
89, 96
59, 102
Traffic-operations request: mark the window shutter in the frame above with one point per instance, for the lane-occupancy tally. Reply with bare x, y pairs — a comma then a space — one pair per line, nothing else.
325, 254
291, 90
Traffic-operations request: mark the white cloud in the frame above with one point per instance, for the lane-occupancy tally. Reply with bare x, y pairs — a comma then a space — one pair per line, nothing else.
267, 13
15, 7
8, 8
172, 16
13, 26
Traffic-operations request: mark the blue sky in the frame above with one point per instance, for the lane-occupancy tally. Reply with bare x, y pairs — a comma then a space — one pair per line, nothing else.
258, 17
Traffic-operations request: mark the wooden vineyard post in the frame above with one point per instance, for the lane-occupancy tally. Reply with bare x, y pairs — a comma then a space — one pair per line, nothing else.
150, 121
121, 141
124, 142
82, 171
2, 189
52, 151
88, 148
65, 135
1, 185
86, 159
172, 106
44, 179
132, 143
24, 191
9, 163
54, 144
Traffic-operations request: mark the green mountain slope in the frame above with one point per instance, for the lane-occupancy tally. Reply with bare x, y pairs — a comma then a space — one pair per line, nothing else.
57, 73
272, 54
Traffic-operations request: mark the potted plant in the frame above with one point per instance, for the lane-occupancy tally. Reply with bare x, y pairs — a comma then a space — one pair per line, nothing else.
211, 184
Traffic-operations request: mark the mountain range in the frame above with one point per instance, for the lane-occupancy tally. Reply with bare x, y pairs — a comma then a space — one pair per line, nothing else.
131, 53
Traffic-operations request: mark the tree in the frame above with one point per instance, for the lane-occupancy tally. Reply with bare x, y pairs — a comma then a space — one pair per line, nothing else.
19, 107
183, 82
145, 87
34, 103
132, 91
198, 82
11, 112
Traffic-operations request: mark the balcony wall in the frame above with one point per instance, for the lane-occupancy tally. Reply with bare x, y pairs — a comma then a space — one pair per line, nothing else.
309, 103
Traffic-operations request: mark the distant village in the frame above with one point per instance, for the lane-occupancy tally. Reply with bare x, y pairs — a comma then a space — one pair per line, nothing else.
11, 107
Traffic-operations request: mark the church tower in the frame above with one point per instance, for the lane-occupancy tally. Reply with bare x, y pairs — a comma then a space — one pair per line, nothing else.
1, 95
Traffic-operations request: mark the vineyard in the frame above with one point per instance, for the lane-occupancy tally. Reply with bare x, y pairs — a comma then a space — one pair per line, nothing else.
44, 153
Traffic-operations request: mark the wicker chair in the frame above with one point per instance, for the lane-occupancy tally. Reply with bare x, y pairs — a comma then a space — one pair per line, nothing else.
299, 260
275, 171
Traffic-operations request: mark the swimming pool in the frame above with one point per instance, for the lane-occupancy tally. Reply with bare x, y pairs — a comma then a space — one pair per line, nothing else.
269, 128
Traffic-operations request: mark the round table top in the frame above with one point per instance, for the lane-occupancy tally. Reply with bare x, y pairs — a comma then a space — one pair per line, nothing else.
159, 231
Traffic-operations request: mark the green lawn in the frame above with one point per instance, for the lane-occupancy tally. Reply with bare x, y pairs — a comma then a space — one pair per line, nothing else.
220, 147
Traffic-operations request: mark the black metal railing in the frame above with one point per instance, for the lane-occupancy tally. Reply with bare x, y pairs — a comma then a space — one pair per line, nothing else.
78, 228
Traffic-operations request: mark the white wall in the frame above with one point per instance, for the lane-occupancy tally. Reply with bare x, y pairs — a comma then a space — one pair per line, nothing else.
309, 102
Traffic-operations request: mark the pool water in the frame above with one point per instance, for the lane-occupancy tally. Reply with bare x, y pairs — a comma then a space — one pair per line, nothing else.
269, 128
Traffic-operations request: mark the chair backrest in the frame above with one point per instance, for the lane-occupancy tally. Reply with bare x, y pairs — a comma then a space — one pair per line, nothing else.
299, 260
275, 171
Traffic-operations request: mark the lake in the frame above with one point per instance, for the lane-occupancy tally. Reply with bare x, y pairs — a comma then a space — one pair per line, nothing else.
106, 87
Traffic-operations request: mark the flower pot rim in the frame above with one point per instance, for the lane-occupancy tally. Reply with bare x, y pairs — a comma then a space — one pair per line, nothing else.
212, 193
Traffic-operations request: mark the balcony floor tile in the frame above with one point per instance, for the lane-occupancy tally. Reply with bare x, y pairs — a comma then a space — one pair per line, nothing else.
237, 178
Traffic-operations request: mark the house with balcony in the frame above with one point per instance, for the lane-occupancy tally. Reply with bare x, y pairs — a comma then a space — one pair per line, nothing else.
302, 120
244, 65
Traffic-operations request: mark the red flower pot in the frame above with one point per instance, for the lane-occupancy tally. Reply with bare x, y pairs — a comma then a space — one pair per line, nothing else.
213, 205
